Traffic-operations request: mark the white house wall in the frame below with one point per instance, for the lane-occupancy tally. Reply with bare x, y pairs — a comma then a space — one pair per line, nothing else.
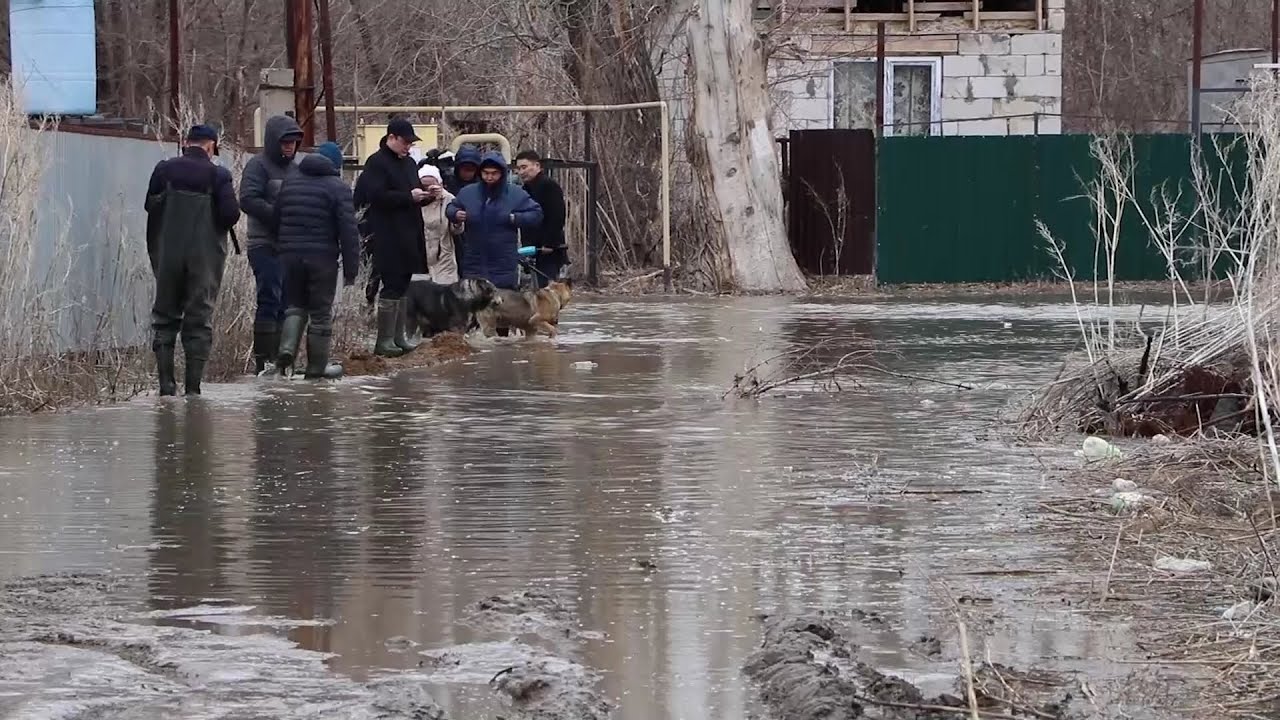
999, 83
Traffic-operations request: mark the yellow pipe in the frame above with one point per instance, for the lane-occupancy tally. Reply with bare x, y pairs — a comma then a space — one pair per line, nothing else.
442, 110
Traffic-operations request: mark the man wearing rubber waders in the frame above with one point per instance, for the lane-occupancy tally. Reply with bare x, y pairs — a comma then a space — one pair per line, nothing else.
191, 207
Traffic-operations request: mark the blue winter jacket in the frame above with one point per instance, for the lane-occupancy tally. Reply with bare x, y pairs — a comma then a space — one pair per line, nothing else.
314, 213
494, 216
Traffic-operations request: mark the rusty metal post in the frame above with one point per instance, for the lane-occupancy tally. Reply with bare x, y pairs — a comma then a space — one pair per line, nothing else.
1197, 28
304, 93
175, 69
880, 78
326, 71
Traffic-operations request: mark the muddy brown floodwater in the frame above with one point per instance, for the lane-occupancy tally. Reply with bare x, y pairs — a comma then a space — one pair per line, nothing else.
427, 544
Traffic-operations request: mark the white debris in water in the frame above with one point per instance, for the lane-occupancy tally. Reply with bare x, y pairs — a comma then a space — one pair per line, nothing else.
1239, 611
200, 611
583, 365
1123, 502
927, 403
1181, 565
1008, 325
1122, 485
1095, 448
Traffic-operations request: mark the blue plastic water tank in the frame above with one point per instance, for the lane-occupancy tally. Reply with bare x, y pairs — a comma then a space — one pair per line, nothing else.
54, 56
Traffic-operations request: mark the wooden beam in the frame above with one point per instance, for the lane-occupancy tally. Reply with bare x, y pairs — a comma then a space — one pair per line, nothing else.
865, 45
943, 6
1004, 15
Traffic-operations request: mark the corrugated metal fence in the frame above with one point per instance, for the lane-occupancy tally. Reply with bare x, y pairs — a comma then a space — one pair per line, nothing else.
964, 209
90, 255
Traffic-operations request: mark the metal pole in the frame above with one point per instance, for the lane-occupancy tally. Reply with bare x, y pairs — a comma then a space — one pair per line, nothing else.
879, 78
666, 196
1197, 22
326, 71
175, 56
593, 216
304, 94
1275, 31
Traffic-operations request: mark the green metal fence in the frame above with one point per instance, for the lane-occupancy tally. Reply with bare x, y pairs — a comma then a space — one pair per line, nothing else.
964, 209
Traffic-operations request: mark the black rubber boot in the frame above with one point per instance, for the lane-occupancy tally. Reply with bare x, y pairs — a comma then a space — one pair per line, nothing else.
318, 365
402, 327
295, 323
195, 373
388, 315
166, 371
266, 341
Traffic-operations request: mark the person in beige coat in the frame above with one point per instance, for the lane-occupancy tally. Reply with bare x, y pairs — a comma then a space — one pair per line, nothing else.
441, 234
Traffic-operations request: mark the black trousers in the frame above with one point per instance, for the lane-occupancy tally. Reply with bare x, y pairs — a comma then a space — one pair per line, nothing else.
310, 284
396, 260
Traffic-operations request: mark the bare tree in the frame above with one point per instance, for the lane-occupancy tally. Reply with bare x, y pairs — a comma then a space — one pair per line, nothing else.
734, 147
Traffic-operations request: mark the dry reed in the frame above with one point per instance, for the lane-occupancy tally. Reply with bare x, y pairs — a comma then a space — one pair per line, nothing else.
1208, 498
54, 350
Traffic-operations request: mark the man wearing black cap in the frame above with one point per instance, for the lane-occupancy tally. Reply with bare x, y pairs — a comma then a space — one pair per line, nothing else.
391, 197
191, 206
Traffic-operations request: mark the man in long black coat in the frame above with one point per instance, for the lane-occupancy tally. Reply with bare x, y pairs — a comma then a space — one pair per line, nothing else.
391, 197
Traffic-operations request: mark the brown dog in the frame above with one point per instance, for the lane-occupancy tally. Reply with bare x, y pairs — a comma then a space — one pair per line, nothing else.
530, 312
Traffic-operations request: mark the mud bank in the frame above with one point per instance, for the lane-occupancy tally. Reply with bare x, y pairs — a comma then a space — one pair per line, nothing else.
807, 668
531, 663
64, 654
439, 349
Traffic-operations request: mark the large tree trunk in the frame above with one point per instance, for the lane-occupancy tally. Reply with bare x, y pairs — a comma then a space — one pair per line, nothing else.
734, 148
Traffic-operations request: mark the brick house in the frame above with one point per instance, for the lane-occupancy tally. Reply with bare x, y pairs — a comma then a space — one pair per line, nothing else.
952, 67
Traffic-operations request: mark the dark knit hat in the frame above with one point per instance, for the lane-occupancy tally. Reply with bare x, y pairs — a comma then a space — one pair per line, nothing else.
331, 151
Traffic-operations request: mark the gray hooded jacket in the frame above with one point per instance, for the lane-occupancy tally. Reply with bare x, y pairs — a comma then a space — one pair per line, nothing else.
263, 176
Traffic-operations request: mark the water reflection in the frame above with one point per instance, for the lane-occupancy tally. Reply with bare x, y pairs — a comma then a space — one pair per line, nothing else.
388, 506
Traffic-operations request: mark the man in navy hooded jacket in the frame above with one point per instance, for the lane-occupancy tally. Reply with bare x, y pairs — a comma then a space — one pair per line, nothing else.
493, 211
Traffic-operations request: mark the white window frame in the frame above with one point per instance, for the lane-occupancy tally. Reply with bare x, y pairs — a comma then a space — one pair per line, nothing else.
935, 89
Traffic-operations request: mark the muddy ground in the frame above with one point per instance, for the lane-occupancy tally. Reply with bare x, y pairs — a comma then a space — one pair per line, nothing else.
442, 348
67, 652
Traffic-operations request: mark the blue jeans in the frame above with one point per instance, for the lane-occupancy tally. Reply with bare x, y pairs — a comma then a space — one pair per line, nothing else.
268, 274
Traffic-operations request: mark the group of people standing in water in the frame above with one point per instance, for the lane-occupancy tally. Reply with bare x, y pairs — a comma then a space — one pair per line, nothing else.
452, 217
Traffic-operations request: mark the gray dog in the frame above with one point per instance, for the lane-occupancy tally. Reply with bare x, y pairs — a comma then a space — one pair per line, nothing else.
437, 308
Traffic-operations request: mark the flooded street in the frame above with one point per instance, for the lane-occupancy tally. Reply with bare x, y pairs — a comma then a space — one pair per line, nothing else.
366, 519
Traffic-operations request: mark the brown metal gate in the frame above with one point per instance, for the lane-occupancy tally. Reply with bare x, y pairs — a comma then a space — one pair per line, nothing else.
831, 200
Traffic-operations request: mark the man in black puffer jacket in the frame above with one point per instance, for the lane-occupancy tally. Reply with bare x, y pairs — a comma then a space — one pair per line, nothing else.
315, 224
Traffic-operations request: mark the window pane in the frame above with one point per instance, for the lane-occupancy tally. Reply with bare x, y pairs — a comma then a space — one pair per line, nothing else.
912, 99
855, 95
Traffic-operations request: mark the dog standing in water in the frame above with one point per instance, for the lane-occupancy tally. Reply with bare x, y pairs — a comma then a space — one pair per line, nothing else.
530, 312
437, 308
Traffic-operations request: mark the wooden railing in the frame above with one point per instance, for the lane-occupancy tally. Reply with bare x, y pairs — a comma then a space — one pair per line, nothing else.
915, 11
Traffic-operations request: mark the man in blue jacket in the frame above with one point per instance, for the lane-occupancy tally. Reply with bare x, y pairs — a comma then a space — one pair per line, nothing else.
493, 212
315, 225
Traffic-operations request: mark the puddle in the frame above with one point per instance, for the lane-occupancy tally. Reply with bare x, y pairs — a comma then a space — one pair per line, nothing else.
668, 518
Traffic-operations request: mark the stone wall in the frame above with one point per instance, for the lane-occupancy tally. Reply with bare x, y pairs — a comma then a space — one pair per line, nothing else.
1000, 82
